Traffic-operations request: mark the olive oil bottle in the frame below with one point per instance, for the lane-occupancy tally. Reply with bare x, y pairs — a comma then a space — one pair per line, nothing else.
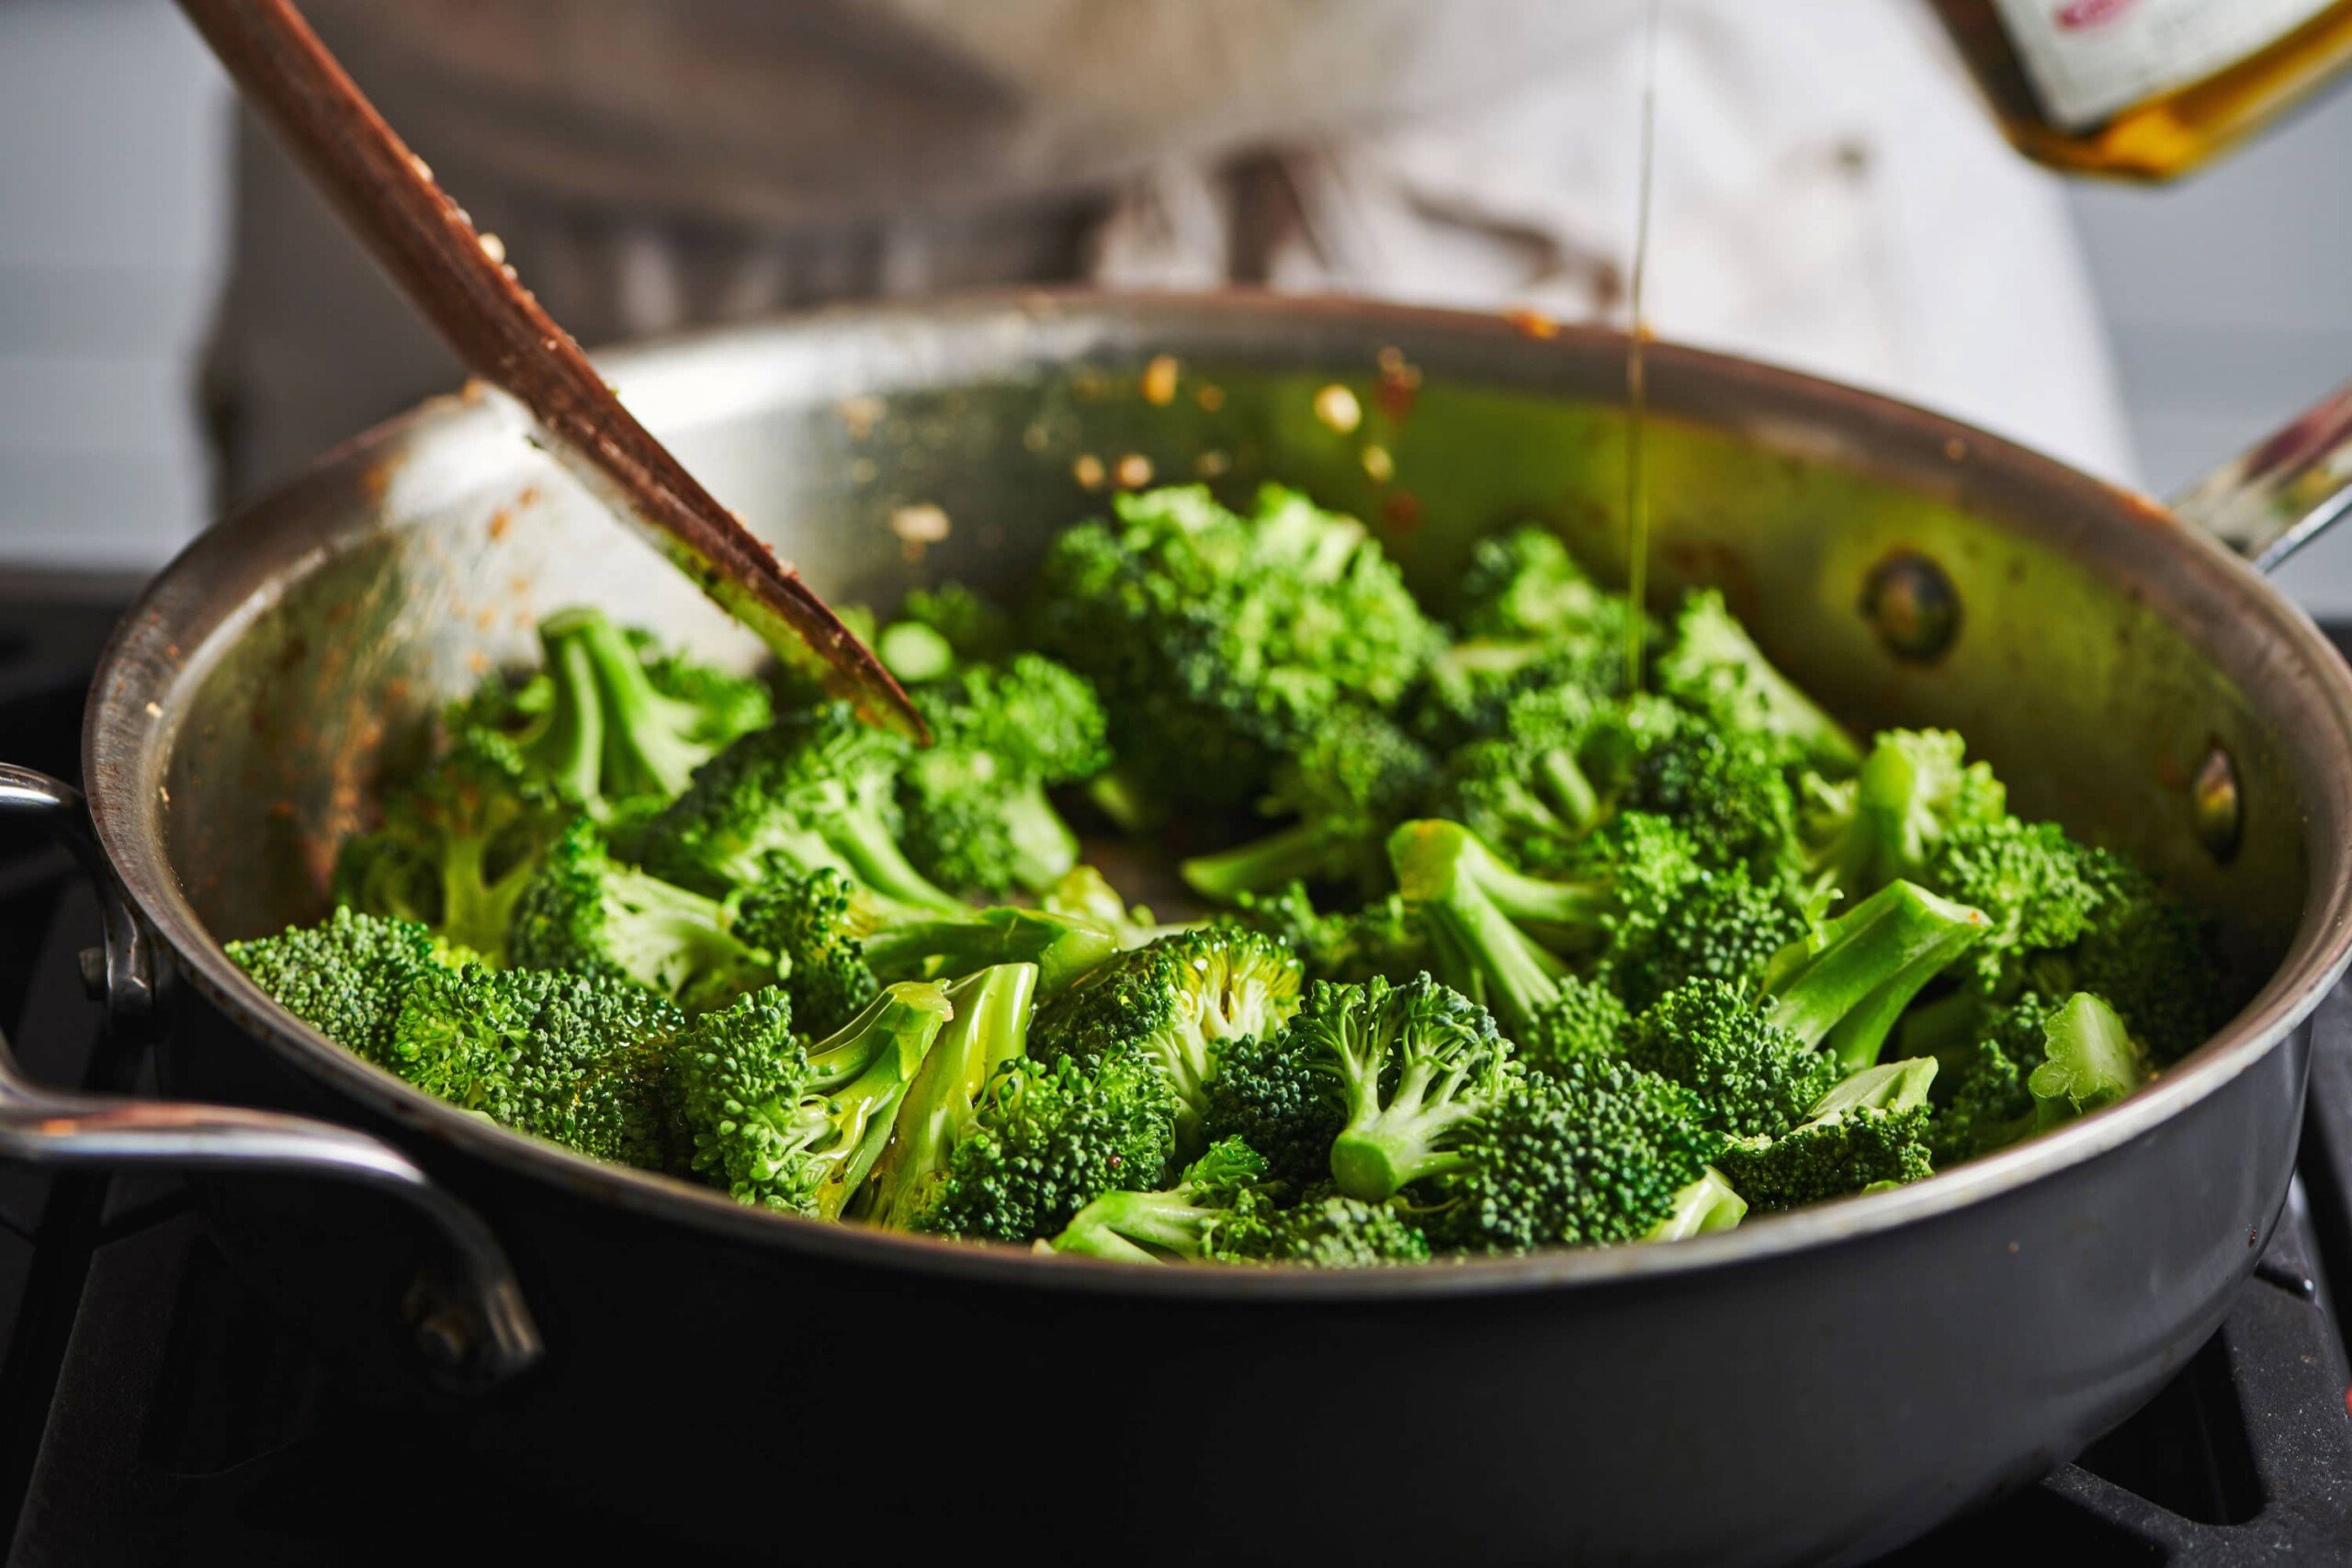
2145, 89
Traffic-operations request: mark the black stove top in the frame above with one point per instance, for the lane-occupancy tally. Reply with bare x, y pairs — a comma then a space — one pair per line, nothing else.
152, 1410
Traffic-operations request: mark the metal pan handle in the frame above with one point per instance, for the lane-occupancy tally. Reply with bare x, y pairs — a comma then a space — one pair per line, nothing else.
469, 1317
2278, 495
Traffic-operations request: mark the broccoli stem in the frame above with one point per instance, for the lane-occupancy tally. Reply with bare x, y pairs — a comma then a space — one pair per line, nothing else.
1063, 947
1706, 1205
1384, 1148
1297, 854
1126, 1226
1044, 847
1864, 968
648, 748
1564, 786
990, 1026
873, 857
568, 744
864, 1072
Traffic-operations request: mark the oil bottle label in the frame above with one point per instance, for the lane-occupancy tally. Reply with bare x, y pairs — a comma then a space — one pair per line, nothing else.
2087, 58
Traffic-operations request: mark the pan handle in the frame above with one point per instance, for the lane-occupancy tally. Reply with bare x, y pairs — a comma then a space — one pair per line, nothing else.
469, 1316
2280, 494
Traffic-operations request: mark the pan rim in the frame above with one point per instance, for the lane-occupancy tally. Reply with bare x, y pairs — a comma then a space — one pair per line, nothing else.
145, 663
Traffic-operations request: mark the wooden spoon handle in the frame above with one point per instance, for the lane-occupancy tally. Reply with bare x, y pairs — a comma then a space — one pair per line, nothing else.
427, 243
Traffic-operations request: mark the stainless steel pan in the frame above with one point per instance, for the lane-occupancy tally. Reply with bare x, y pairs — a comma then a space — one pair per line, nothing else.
1820, 1385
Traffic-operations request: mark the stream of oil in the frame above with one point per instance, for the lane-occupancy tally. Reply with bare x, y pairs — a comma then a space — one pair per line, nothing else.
1638, 478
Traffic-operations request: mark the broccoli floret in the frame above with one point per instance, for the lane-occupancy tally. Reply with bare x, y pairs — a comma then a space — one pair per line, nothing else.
1381, 938
1176, 1003
1985, 1052
2034, 884
1047, 1139
2148, 955
586, 912
1704, 1207
1269, 1093
1719, 925
578, 1059
796, 1128
1327, 1232
1524, 792
1756, 1064
1869, 1131
975, 803
1413, 1065
1492, 930
1594, 1154
1751, 1074
2088, 1061
1711, 665
817, 789
1723, 787
1181, 1222
1524, 583
989, 1027
1585, 1019
1889, 820
344, 976
1218, 642
456, 845
1350, 780
610, 722
976, 628
816, 923
1466, 691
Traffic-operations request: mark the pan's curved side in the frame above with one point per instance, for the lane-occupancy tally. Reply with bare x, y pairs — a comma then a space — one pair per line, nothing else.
1825, 1405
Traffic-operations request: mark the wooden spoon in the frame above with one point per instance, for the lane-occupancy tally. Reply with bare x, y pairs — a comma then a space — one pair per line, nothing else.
428, 245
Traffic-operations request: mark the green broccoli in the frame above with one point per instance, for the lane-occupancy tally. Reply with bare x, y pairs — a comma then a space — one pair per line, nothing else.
1349, 781
1065, 948
989, 1027
610, 722
1046, 1139
1869, 1131
785, 1126
975, 627
1723, 787
1325, 1232
1413, 1067
1711, 665
816, 923
2088, 1061
1524, 791
1218, 642
587, 912
976, 810
1381, 938
344, 976
1182, 1221
1756, 1063
458, 844
1891, 818
579, 1059
2037, 886
1719, 925
2148, 955
1584, 1018
1495, 935
1593, 1154
1176, 1003
816, 789
1704, 1207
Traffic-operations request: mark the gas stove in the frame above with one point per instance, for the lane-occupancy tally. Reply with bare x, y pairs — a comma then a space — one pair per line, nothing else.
152, 1409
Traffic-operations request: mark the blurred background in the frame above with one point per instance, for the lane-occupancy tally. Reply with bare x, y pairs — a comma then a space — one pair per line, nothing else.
2222, 298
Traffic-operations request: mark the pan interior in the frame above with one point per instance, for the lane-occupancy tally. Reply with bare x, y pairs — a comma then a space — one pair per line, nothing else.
2088, 664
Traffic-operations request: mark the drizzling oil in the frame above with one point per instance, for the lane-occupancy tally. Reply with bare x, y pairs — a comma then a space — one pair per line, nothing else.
1637, 488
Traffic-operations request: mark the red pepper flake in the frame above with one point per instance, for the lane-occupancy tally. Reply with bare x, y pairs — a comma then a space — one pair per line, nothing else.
1401, 511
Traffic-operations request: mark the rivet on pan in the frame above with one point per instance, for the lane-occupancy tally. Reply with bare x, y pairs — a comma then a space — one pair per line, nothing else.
1913, 606
2216, 804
